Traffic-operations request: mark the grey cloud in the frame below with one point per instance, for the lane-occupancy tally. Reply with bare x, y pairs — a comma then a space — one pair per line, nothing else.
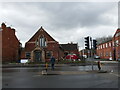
64, 15
62, 20
71, 15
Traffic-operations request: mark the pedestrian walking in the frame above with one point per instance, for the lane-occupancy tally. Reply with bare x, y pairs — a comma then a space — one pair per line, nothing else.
99, 65
52, 60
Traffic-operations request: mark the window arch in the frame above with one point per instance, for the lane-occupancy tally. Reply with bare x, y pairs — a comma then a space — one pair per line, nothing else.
42, 41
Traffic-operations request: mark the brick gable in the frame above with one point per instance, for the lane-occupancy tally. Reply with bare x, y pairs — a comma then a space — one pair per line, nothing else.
33, 47
41, 31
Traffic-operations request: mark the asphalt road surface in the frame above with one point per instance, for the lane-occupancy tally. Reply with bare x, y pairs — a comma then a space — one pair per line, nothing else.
68, 77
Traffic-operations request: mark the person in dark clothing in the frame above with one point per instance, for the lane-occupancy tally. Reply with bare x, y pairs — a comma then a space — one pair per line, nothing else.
99, 65
52, 60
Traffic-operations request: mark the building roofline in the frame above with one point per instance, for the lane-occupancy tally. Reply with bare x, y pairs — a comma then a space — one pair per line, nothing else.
105, 42
41, 29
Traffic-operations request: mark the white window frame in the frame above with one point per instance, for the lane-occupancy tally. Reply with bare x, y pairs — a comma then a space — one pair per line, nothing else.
42, 42
106, 45
109, 44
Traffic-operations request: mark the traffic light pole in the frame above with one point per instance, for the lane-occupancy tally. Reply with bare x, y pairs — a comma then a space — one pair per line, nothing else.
88, 41
91, 53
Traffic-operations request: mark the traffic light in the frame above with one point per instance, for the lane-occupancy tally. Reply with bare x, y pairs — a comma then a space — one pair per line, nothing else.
94, 44
87, 43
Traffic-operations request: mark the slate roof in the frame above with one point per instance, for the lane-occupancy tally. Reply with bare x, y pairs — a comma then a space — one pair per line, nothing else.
69, 47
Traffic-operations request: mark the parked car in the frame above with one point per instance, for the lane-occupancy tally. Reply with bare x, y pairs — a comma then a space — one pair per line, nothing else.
110, 58
72, 57
96, 57
84, 56
118, 59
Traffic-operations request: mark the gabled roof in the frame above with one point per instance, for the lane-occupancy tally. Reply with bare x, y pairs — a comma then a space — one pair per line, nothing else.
117, 31
41, 31
107, 41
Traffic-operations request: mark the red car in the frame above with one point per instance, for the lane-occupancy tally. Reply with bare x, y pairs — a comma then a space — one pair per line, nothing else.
72, 57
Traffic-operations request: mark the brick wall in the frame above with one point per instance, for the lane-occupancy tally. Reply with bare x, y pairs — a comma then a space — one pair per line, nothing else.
10, 44
104, 50
110, 49
116, 40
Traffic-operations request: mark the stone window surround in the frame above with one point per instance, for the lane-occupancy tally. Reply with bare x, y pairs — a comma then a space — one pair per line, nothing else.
38, 41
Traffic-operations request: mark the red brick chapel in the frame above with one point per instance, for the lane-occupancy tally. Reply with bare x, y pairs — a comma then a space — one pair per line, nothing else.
41, 46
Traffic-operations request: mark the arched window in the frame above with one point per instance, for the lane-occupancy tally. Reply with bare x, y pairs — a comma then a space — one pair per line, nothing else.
43, 42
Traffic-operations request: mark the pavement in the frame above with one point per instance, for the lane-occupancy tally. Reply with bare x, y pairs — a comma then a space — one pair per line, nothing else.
108, 61
29, 65
57, 65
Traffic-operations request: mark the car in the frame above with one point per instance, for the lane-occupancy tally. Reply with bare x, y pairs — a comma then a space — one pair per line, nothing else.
84, 56
118, 59
110, 58
72, 57
96, 57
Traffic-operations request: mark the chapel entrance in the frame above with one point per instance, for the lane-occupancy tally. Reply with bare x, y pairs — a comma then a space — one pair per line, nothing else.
37, 56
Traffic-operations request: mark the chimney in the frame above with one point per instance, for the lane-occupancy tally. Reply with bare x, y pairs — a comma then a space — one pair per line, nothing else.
3, 25
8, 29
13, 30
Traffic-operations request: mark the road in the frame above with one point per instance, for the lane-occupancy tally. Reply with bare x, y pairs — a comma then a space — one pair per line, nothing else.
69, 77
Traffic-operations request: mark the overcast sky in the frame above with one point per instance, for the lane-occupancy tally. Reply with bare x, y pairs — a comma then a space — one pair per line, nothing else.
64, 21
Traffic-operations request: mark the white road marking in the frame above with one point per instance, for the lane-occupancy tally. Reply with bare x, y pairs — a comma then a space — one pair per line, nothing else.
115, 74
